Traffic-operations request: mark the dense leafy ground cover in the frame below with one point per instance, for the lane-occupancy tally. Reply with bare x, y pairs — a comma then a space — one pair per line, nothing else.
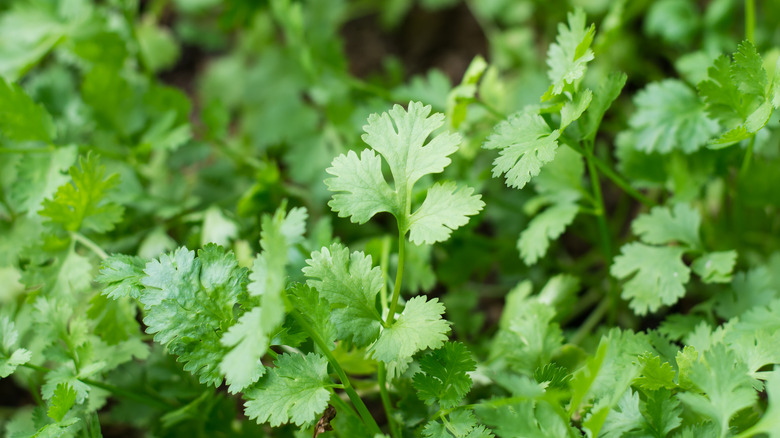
326, 217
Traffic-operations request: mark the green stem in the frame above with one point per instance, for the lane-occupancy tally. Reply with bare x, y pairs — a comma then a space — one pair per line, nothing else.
398, 277
750, 20
383, 265
368, 420
342, 405
748, 158
601, 219
595, 316
611, 174
601, 214
25, 151
386, 403
94, 247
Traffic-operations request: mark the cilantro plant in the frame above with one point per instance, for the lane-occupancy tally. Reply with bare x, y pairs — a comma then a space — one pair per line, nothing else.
222, 219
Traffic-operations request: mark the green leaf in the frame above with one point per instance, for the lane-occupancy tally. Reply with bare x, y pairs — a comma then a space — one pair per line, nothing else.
10, 356
121, 276
464, 93
42, 174
83, 204
446, 208
726, 385
715, 267
526, 144
399, 136
316, 310
248, 341
752, 289
573, 109
63, 399
361, 190
294, 391
569, 55
444, 377
605, 95
670, 117
664, 225
623, 418
662, 413
350, 285
770, 420
420, 326
658, 276
654, 373
22, 119
190, 303
738, 94
159, 49
28, 31
543, 228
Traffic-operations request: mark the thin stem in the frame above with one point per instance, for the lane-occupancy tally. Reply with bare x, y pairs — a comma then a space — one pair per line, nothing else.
25, 151
750, 20
743, 170
609, 173
368, 420
595, 316
80, 238
398, 277
383, 265
601, 219
342, 405
386, 403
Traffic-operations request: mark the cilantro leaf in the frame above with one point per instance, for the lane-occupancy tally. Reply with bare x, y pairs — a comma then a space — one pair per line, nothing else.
189, 302
715, 267
658, 275
569, 55
624, 417
446, 208
82, 204
726, 385
420, 326
738, 94
63, 399
248, 341
350, 285
573, 109
526, 144
444, 375
770, 421
608, 91
294, 391
10, 356
315, 309
654, 374
121, 276
544, 227
361, 190
43, 174
670, 117
22, 119
663, 225
400, 137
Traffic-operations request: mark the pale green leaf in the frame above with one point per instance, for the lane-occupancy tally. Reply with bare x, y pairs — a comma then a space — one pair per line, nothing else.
446, 208
543, 228
360, 189
350, 285
664, 225
569, 55
294, 391
657, 276
715, 267
526, 144
420, 326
